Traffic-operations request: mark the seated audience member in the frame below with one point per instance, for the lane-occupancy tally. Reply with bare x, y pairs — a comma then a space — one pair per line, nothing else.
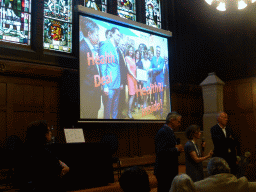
134, 179
43, 170
182, 183
221, 180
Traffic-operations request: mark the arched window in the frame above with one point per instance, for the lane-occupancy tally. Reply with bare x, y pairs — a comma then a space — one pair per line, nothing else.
58, 25
127, 9
15, 21
100, 5
153, 13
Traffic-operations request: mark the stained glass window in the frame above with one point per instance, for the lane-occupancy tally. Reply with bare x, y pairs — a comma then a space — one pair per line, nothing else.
127, 9
58, 25
15, 21
99, 5
153, 13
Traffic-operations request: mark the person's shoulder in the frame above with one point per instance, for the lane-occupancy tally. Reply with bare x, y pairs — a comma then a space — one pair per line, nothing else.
104, 44
188, 143
163, 129
84, 44
215, 127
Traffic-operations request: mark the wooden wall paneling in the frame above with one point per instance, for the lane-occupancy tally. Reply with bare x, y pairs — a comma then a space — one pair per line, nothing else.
93, 132
3, 132
146, 134
230, 98
3, 94
254, 93
244, 96
10, 107
3, 109
134, 140
51, 99
122, 132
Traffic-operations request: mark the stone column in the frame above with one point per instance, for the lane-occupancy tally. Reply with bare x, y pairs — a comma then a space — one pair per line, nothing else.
212, 88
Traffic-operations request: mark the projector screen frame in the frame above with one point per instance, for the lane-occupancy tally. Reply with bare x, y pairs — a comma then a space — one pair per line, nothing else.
84, 11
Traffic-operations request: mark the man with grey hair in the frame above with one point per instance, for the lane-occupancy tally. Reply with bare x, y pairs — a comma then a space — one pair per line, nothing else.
167, 151
224, 142
221, 180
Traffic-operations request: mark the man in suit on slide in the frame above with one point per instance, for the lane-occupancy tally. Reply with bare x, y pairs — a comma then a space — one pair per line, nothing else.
90, 94
111, 68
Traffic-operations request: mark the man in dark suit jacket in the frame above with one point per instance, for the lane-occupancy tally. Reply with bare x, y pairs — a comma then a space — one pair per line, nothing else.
90, 93
224, 143
167, 151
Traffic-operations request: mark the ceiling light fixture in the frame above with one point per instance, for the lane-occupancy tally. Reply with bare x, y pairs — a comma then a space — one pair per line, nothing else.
223, 5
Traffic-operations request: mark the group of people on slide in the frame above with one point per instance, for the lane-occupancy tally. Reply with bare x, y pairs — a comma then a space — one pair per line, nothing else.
121, 67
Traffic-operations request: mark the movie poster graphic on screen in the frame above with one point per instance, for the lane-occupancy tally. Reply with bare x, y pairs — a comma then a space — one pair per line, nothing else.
124, 72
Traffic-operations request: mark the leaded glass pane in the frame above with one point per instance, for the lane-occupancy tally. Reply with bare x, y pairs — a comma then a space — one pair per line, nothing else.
15, 21
127, 9
99, 5
153, 13
58, 25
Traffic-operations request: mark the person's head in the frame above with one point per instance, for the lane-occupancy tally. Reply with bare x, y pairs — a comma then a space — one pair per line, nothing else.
142, 47
38, 133
146, 54
150, 54
193, 131
222, 119
130, 51
134, 179
122, 45
166, 59
217, 165
137, 55
158, 51
115, 35
182, 183
173, 120
108, 34
90, 30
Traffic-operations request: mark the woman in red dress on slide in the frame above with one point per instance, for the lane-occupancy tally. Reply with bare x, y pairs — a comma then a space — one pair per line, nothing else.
131, 77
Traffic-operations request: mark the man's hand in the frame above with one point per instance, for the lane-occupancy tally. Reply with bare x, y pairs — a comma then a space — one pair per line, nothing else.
180, 147
210, 153
65, 169
106, 91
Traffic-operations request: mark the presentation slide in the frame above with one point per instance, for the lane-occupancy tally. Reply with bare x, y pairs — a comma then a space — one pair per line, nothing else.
124, 72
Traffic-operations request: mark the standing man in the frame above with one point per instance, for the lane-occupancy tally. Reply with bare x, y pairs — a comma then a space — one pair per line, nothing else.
111, 68
123, 72
158, 75
167, 151
223, 141
90, 95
